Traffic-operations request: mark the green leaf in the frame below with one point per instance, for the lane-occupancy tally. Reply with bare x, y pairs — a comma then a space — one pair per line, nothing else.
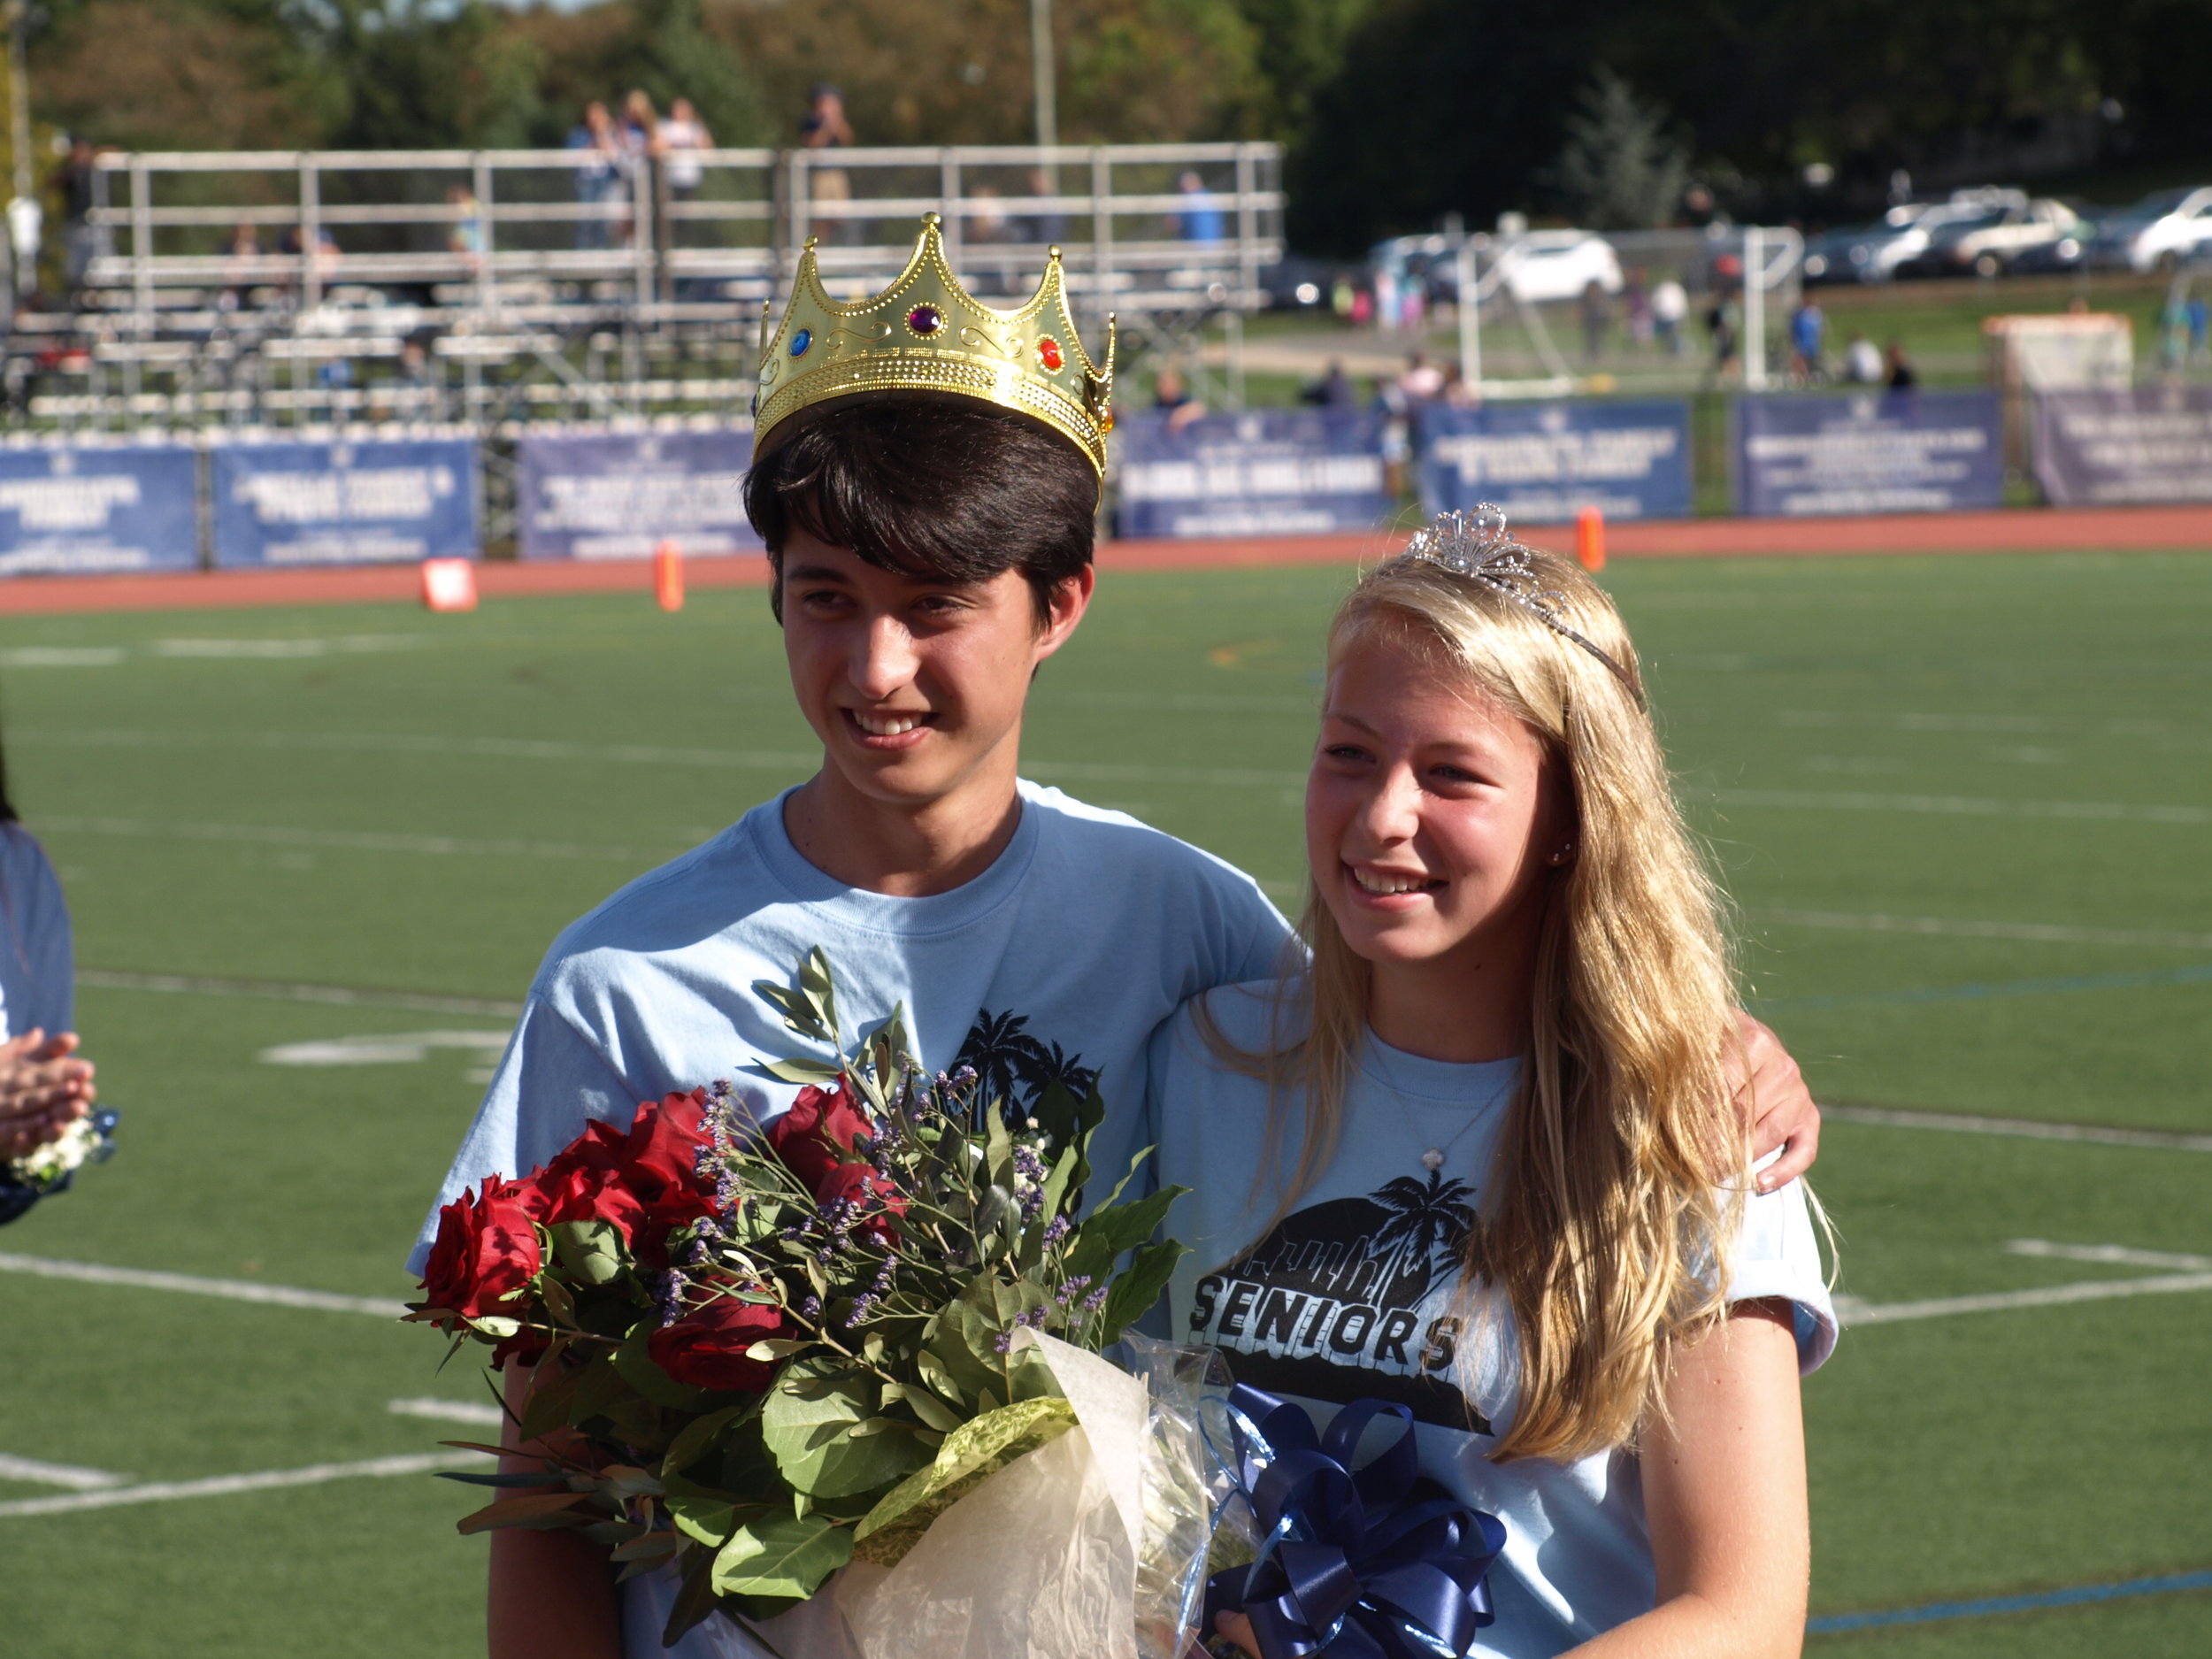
709, 1519
933, 1411
553, 1390
591, 1250
801, 1070
1135, 1291
808, 1423
782, 1556
777, 1347
820, 989
971, 1454
700, 1435
1098, 1243
998, 1147
695, 1603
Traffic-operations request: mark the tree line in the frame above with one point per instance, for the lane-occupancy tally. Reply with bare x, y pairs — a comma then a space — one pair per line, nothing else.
1395, 112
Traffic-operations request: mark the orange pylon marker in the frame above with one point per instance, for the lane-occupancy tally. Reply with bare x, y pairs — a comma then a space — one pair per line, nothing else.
448, 584
668, 576
1590, 538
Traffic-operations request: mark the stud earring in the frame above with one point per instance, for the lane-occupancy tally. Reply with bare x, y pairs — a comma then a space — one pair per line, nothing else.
1563, 853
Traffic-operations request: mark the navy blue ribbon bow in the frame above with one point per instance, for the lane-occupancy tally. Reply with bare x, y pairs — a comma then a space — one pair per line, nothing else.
1373, 1562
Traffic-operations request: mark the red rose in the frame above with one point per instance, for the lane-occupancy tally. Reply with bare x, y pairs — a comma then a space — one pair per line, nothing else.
487, 1249
706, 1348
814, 1137
574, 1190
664, 1141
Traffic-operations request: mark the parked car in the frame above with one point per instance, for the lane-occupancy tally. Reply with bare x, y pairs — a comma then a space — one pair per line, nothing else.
1559, 265
2069, 253
1986, 243
2158, 233
1871, 253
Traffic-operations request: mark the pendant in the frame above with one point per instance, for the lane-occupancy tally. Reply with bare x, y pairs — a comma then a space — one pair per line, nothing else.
1433, 1158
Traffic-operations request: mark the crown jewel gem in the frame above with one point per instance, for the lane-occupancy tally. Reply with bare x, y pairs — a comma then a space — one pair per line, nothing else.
1049, 354
800, 340
924, 320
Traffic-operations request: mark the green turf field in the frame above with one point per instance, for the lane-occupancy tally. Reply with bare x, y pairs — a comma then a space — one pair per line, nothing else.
1965, 806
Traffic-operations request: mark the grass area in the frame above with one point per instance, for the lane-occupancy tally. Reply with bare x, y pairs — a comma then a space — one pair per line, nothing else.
1962, 804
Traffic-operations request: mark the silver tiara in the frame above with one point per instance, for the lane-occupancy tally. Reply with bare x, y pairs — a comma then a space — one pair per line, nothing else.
1475, 544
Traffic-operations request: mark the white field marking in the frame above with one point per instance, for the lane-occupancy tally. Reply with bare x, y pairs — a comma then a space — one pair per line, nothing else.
2020, 1128
61, 656
229, 1289
485, 1415
224, 1486
1964, 805
2030, 932
1851, 1311
343, 644
2024, 724
642, 753
349, 841
32, 1472
399, 1048
2119, 1255
337, 995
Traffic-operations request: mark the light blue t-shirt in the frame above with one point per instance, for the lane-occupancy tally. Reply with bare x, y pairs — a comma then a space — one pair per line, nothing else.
1355, 1293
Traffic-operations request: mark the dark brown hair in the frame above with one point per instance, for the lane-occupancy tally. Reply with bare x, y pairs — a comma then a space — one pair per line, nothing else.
930, 486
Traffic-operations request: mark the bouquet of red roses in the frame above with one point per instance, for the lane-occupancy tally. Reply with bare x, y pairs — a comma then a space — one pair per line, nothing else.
767, 1355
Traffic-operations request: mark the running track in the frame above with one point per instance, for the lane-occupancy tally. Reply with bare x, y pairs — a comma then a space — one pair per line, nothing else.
2049, 530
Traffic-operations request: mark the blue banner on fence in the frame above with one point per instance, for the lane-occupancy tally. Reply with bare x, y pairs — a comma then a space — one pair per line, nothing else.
1277, 472
1546, 462
620, 494
1903, 452
99, 510
2151, 444
345, 502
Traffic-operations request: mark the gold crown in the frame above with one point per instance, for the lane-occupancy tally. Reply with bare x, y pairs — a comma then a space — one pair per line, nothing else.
926, 333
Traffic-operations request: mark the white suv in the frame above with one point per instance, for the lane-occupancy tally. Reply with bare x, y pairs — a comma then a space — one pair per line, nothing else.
2158, 233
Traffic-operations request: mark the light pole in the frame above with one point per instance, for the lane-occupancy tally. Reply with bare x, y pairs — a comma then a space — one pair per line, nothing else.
1041, 71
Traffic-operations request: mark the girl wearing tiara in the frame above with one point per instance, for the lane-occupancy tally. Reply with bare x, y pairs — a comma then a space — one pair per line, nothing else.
1501, 1181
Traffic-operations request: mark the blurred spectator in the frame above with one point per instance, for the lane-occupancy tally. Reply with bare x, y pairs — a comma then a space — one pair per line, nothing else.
1809, 331
1670, 309
1899, 376
1332, 390
464, 235
43, 1086
243, 251
986, 218
1862, 361
1636, 302
598, 175
824, 127
1171, 393
1397, 433
325, 262
1051, 224
1422, 382
1720, 323
2199, 327
1342, 296
1457, 392
640, 123
1597, 319
683, 135
1202, 219
82, 239
1361, 308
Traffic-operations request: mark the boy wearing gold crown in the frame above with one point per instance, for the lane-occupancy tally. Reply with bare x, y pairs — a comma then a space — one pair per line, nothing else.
925, 476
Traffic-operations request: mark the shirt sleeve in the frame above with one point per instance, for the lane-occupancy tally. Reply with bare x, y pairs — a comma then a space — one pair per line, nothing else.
1265, 934
46, 946
1777, 1258
550, 1083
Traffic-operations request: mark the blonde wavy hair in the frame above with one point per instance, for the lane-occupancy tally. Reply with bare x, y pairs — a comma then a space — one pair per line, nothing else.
1611, 1211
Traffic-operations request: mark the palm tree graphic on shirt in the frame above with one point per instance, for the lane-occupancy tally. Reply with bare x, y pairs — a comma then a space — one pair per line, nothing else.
1427, 1230
1014, 1068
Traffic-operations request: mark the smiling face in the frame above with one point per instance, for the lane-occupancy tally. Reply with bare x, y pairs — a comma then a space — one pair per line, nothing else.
1432, 817
915, 684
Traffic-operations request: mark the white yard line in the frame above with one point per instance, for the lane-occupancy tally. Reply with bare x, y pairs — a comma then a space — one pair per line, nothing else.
229, 1289
2021, 1128
1851, 1311
486, 1415
224, 1486
347, 841
2116, 1254
337, 995
2030, 933
33, 1471
1962, 805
